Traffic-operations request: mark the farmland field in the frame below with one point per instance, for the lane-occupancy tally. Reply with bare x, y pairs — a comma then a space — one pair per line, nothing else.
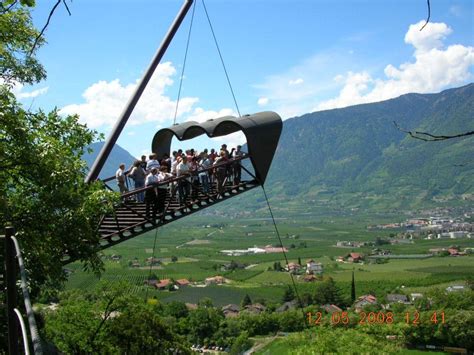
196, 243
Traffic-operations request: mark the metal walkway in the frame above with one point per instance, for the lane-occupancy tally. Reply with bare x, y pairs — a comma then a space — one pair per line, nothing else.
129, 218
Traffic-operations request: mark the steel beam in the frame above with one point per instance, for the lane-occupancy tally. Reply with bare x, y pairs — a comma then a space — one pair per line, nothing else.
115, 133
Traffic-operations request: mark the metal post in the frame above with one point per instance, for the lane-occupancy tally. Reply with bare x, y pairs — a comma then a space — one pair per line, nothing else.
10, 274
115, 133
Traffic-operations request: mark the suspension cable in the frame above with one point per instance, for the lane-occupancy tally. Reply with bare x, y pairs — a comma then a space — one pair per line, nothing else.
184, 63
222, 60
284, 254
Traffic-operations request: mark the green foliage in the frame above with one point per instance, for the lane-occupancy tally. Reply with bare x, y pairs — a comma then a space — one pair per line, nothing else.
289, 294
17, 36
43, 194
241, 343
246, 301
107, 320
327, 292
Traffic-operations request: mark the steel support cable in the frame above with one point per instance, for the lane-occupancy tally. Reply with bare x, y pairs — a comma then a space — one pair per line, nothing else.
24, 334
281, 245
184, 63
26, 295
154, 242
222, 59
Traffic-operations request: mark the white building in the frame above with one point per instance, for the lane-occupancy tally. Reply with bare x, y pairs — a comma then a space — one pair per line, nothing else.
313, 267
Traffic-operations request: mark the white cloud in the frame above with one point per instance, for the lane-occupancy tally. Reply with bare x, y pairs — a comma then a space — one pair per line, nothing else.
296, 82
433, 69
263, 101
105, 101
200, 115
18, 90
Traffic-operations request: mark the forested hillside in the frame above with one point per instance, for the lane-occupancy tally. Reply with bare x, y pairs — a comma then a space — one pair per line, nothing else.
357, 153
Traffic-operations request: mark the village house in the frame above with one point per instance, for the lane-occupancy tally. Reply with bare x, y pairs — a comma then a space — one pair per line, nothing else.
182, 282
271, 249
363, 301
313, 267
191, 306
453, 251
415, 296
153, 261
287, 306
355, 257
310, 278
163, 284
293, 268
255, 308
216, 280
397, 298
231, 310
331, 308
116, 257
151, 282
456, 288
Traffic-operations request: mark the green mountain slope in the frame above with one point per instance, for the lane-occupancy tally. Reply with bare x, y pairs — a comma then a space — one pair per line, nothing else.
356, 155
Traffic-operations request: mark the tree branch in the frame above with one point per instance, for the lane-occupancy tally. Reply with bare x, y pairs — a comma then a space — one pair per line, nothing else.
429, 15
429, 137
51, 13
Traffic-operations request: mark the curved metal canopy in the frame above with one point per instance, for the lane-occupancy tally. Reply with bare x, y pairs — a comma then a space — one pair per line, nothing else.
262, 131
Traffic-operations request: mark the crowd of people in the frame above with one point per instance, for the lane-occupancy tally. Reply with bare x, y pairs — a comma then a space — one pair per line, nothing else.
199, 171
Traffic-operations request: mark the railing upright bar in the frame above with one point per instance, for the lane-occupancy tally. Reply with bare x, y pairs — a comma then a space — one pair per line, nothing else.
10, 274
23, 331
26, 296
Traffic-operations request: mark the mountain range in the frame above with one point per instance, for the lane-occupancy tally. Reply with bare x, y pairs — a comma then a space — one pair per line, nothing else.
357, 157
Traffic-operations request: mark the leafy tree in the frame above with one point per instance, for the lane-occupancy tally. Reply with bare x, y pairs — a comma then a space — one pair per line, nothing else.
246, 301
241, 343
328, 292
289, 294
174, 259
17, 36
42, 189
277, 266
108, 320
353, 289
176, 309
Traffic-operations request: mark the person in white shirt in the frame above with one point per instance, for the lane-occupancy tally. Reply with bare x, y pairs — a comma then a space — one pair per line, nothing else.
184, 185
150, 194
162, 189
238, 153
120, 177
204, 175
152, 163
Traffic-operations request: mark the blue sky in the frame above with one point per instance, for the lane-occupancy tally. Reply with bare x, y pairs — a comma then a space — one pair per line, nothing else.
291, 57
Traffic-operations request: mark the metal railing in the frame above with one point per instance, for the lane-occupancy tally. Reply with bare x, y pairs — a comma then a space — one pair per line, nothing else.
191, 173
12, 251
